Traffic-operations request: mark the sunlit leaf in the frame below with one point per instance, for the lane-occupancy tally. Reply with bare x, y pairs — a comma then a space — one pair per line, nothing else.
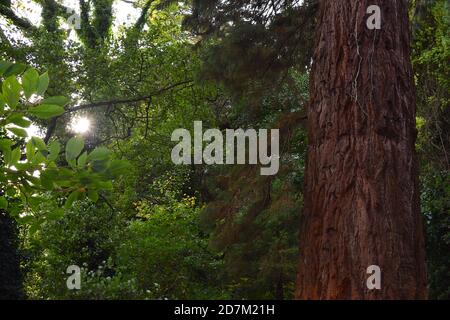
11, 92
18, 132
54, 148
74, 147
46, 111
59, 100
18, 119
43, 84
30, 81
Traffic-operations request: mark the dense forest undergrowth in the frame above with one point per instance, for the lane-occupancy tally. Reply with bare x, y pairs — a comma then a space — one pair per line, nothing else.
108, 197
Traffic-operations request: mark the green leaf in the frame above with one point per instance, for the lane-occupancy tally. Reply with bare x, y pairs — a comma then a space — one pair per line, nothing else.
25, 220
102, 185
15, 156
43, 84
74, 148
71, 199
39, 143
47, 179
46, 111
82, 160
55, 148
2, 103
7, 155
14, 69
56, 214
3, 203
30, 81
72, 163
4, 65
5, 144
58, 100
11, 92
18, 119
118, 167
30, 150
93, 195
98, 154
100, 165
38, 158
18, 132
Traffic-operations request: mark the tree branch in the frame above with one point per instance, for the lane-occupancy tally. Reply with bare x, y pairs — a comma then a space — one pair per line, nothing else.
22, 23
129, 100
52, 125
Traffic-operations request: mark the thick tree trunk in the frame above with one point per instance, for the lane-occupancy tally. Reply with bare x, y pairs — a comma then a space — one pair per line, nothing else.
361, 201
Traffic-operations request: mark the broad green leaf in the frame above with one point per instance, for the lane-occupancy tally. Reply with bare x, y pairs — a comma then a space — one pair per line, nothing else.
93, 195
82, 160
99, 165
118, 167
100, 153
5, 144
39, 143
71, 199
54, 148
11, 92
35, 226
86, 178
102, 185
30, 81
46, 111
43, 84
15, 156
3, 203
4, 65
18, 119
47, 179
56, 214
7, 155
2, 103
25, 220
59, 100
72, 163
74, 147
38, 158
30, 150
24, 166
18, 132
14, 70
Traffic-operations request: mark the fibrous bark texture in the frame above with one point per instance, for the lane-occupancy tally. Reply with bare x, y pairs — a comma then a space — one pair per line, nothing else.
361, 200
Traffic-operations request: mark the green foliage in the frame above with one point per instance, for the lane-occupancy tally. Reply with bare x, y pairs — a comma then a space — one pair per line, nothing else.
161, 255
29, 167
431, 53
167, 255
91, 232
430, 57
436, 208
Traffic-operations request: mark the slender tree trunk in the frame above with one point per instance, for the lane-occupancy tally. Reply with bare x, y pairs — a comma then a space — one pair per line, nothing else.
361, 201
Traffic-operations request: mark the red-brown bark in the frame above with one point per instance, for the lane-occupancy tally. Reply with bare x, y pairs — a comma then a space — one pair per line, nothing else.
361, 200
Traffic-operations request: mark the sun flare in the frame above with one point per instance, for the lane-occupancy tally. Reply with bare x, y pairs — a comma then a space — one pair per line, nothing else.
80, 125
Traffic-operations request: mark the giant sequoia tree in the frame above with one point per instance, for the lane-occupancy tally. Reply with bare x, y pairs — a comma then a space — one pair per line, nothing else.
361, 201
